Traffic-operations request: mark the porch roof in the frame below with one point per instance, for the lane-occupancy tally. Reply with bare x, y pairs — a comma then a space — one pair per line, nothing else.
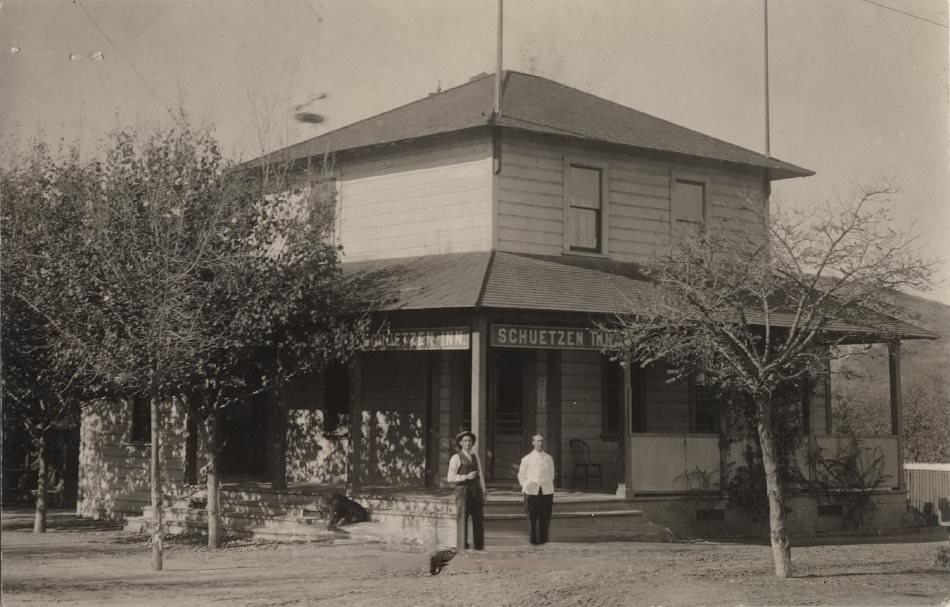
515, 281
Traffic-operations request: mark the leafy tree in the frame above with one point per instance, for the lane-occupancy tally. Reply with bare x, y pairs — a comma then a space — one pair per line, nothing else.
190, 280
40, 371
758, 315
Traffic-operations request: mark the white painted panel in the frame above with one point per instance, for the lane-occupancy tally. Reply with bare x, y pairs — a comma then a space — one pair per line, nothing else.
658, 463
469, 239
461, 208
357, 183
406, 196
872, 447
415, 200
702, 462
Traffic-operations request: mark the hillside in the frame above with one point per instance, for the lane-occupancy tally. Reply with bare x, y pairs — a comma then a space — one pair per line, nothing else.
860, 386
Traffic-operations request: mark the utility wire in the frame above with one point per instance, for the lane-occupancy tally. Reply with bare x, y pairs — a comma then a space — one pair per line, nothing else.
123, 55
897, 10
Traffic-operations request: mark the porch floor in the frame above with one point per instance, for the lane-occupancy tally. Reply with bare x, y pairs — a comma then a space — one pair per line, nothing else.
494, 494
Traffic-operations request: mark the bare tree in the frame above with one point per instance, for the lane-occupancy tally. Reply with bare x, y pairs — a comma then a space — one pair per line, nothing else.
758, 317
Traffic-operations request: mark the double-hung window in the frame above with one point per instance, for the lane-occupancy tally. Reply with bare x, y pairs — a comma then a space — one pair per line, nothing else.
585, 208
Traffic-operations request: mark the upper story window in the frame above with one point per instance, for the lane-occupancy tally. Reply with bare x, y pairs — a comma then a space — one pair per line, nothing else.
688, 201
584, 207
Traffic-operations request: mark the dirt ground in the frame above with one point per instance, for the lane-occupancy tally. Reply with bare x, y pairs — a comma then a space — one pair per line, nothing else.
88, 563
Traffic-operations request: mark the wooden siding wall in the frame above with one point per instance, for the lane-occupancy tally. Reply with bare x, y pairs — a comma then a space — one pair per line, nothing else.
421, 200
530, 197
394, 421
313, 455
395, 399
114, 476
582, 415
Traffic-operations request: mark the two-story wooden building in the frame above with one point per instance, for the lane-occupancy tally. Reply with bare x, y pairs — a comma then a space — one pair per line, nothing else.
494, 243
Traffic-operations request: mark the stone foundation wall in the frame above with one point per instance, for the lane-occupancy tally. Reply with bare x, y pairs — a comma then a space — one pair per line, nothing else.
711, 517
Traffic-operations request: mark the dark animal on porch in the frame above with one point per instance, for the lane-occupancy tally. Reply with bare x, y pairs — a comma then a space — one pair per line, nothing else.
439, 559
344, 511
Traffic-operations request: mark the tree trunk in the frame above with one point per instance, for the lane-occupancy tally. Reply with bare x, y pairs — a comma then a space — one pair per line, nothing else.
278, 472
39, 521
191, 447
157, 547
213, 507
778, 534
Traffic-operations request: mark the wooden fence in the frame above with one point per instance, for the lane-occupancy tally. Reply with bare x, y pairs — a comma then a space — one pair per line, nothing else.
926, 484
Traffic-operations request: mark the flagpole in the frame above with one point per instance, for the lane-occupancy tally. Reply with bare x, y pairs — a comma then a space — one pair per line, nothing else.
497, 108
765, 14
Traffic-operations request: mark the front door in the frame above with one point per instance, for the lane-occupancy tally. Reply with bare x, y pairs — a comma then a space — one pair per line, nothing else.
510, 412
243, 436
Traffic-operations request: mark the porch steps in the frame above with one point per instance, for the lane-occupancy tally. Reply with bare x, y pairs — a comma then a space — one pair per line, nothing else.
422, 519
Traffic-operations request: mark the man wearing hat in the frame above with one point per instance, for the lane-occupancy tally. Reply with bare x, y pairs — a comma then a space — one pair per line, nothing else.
465, 472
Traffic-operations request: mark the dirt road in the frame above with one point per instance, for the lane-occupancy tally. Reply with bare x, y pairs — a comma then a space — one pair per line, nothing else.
84, 563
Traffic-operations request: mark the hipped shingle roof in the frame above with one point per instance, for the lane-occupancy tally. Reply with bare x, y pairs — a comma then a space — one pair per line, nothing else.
536, 104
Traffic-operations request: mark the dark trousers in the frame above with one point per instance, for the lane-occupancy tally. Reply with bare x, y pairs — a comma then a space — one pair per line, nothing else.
539, 509
468, 502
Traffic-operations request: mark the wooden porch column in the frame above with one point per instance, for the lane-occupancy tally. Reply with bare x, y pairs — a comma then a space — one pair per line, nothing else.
356, 424
897, 422
626, 443
480, 388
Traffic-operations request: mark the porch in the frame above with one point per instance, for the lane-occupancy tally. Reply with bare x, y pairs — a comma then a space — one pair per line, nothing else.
674, 463
417, 516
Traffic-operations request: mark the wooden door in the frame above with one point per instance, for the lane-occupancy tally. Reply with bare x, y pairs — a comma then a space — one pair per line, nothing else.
510, 410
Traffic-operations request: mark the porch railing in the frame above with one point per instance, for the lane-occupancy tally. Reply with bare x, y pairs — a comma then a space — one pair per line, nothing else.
684, 462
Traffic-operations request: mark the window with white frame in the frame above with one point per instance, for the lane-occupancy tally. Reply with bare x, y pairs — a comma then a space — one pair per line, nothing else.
584, 208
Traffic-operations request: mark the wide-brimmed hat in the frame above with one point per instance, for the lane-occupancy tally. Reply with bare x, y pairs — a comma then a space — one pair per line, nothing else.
463, 433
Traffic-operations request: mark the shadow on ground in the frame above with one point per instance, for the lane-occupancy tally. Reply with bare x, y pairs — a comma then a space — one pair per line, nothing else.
21, 519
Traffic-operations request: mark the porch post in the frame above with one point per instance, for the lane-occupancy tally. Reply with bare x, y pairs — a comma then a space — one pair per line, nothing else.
626, 444
897, 422
356, 424
480, 388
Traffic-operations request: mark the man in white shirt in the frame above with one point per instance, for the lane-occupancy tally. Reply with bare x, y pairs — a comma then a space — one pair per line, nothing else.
536, 476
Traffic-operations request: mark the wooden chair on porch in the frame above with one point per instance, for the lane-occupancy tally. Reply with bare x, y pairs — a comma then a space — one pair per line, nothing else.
580, 453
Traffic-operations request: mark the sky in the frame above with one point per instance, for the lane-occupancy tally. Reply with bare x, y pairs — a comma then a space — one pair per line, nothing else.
858, 88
